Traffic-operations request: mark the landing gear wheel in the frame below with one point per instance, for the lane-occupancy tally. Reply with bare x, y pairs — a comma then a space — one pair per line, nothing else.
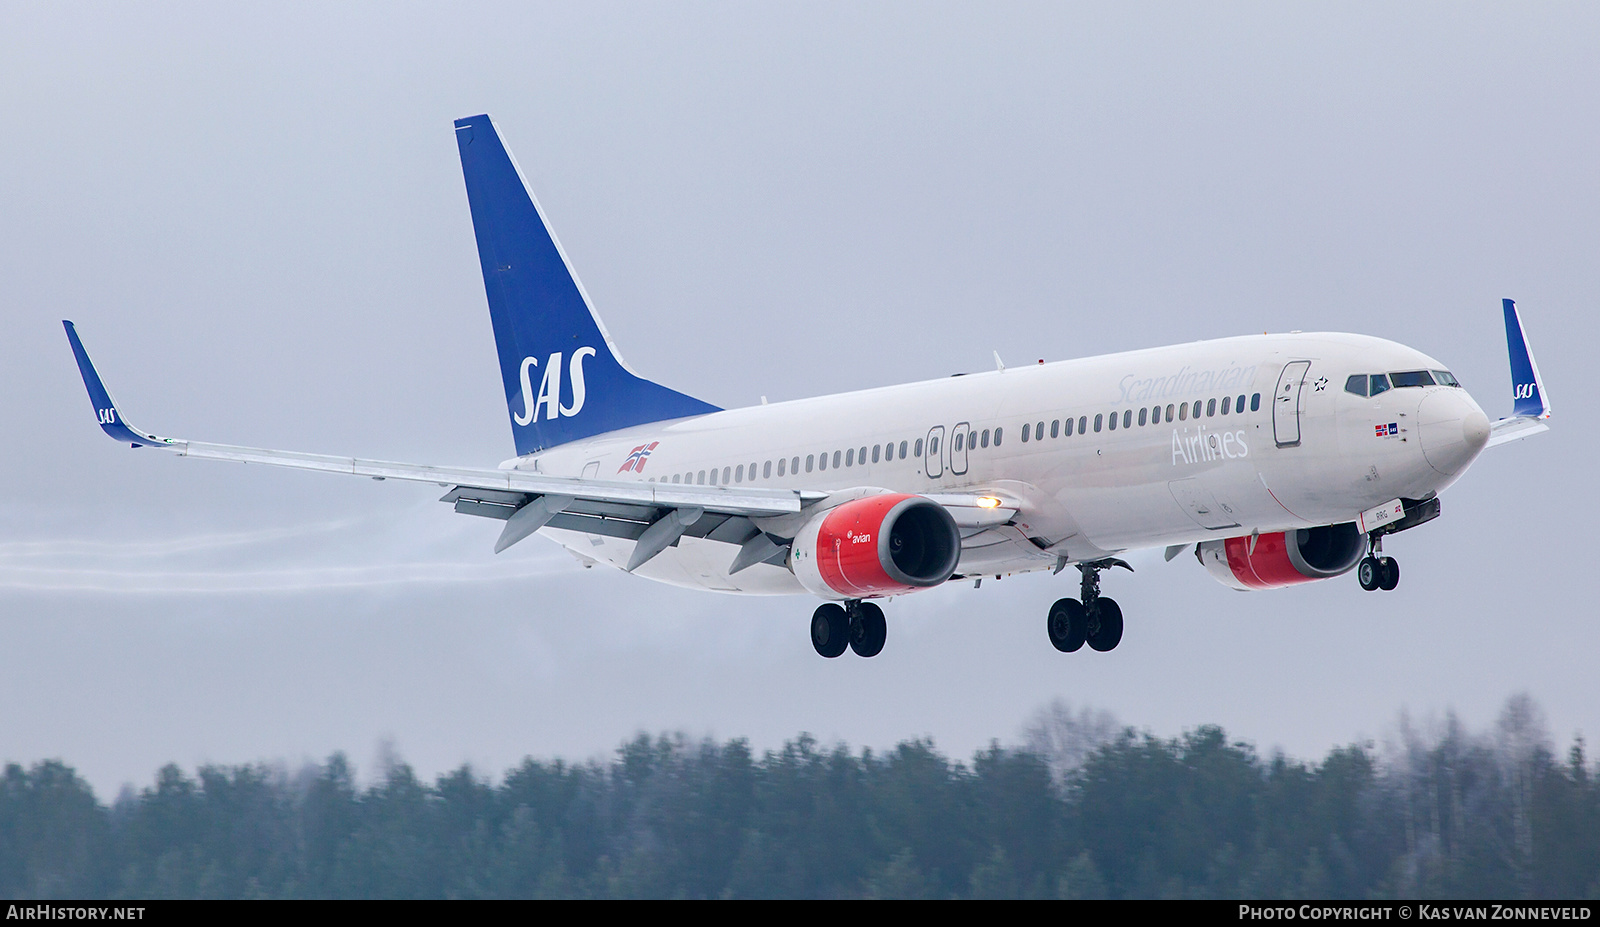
1390, 573
868, 630
1369, 574
1109, 633
830, 630
1068, 625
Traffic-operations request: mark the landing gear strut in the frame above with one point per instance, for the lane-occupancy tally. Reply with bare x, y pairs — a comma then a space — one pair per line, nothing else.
1376, 571
1095, 620
856, 625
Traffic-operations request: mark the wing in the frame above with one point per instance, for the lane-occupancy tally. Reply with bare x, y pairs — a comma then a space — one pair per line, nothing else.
653, 514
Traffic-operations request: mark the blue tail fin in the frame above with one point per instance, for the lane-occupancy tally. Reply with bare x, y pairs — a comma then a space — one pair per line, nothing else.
563, 378
1527, 390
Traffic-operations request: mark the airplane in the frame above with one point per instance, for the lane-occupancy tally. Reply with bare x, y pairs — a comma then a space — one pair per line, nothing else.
1279, 458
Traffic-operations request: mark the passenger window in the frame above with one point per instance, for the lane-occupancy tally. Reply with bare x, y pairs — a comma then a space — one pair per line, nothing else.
781, 466
1197, 404
875, 449
1113, 422
918, 448
738, 475
1169, 411
861, 455
1255, 402
903, 449
1025, 428
1238, 404
1357, 384
850, 457
809, 459
1127, 418
766, 470
701, 479
984, 438
1183, 412
1155, 415
1083, 421
752, 472
822, 461
1142, 414
997, 433
1097, 420
1068, 430
726, 472
794, 465
1226, 402
1038, 430
835, 460
676, 477
1055, 428
1379, 383
1211, 409
960, 440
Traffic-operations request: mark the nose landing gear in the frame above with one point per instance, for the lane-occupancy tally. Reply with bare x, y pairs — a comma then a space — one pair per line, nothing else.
1376, 571
856, 625
1096, 620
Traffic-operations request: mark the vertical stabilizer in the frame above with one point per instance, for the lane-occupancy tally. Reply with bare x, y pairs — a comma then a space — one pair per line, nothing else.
563, 378
1527, 389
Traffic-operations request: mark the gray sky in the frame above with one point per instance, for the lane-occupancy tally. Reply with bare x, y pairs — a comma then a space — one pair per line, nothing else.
257, 219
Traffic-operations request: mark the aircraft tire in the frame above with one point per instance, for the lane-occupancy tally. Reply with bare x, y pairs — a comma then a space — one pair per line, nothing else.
1067, 625
868, 630
1369, 573
830, 630
1390, 571
1109, 634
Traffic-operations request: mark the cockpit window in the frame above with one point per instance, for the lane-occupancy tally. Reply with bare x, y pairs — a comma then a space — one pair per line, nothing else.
1406, 378
1444, 378
1380, 383
1356, 384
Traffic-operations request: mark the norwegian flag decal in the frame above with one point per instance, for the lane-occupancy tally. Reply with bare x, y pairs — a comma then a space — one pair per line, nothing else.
636, 460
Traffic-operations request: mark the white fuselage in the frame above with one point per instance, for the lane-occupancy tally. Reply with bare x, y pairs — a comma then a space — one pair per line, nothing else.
1305, 453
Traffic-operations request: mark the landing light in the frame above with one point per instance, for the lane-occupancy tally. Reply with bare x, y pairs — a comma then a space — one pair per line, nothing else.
988, 502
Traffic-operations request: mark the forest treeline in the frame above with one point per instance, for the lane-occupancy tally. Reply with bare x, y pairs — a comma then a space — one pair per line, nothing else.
1084, 810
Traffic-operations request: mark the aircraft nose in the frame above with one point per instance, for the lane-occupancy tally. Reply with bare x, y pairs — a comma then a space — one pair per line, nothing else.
1451, 429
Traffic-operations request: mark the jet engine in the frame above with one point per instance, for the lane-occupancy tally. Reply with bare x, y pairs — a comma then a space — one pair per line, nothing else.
878, 546
1270, 561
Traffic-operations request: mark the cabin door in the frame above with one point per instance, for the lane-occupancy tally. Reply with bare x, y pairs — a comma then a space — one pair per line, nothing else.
1286, 404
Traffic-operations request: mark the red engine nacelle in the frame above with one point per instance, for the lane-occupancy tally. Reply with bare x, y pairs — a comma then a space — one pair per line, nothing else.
877, 546
1283, 558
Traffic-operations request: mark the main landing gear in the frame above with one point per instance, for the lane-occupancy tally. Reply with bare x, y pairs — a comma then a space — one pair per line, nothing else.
1376, 571
1096, 620
856, 625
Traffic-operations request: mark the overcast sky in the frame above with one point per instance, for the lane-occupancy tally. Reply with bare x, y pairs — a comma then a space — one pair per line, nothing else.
257, 219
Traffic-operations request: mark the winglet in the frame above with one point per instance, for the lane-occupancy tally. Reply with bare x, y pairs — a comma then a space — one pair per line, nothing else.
105, 408
1527, 388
